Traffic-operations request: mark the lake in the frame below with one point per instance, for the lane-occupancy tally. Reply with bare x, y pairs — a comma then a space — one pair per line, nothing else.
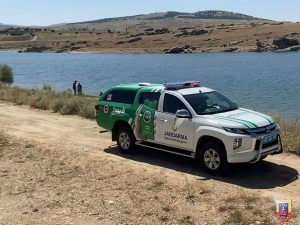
267, 82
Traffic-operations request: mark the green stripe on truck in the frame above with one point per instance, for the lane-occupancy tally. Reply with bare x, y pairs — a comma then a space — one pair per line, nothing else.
268, 118
243, 122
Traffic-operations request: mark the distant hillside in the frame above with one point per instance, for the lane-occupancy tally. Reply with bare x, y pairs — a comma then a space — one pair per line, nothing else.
210, 14
4, 26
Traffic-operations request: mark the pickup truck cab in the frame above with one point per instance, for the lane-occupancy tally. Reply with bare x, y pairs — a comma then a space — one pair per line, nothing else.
189, 120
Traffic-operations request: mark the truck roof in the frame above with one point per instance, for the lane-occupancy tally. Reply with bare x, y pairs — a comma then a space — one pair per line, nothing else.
159, 87
196, 90
138, 86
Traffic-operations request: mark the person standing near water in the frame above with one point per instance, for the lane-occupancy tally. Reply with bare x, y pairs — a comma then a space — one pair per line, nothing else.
75, 87
79, 89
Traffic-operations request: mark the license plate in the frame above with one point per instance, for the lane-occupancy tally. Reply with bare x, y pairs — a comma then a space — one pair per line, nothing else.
270, 138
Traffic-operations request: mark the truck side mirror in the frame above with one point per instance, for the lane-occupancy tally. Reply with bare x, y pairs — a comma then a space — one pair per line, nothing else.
183, 113
100, 93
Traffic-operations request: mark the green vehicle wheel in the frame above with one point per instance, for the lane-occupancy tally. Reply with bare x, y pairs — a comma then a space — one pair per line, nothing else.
126, 140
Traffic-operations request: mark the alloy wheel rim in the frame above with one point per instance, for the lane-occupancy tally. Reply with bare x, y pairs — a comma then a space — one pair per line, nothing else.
212, 159
124, 141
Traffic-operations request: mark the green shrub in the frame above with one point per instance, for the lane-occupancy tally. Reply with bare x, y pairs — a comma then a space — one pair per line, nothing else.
43, 104
40, 101
71, 107
87, 110
57, 105
47, 98
6, 74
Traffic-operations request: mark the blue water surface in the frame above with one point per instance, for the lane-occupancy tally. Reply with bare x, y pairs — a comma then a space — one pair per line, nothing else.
268, 82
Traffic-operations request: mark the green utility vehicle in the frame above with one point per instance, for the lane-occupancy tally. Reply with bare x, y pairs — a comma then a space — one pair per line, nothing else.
189, 120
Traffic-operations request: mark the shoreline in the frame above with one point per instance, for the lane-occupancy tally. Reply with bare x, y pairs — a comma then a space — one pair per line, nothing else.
121, 52
51, 89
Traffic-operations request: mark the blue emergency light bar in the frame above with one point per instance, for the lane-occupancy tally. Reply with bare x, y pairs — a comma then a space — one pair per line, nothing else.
182, 85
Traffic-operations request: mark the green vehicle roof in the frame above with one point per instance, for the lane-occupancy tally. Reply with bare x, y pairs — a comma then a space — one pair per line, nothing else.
136, 86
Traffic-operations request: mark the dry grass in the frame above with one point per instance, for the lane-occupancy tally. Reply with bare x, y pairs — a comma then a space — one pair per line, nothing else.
43, 184
3, 139
48, 99
237, 215
290, 135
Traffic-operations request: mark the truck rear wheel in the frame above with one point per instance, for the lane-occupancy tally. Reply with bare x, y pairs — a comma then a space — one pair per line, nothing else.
213, 158
126, 140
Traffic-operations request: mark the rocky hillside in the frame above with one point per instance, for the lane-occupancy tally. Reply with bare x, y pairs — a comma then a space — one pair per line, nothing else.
171, 20
209, 14
170, 32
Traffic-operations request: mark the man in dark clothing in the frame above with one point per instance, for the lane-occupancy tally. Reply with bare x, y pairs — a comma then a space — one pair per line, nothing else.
74, 87
79, 89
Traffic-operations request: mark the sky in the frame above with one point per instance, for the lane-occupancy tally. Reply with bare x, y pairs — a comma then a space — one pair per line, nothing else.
48, 12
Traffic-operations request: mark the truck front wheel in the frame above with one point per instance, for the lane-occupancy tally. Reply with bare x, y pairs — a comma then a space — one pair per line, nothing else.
213, 158
126, 140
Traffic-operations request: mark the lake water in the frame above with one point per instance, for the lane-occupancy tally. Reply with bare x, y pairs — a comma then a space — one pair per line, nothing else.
264, 81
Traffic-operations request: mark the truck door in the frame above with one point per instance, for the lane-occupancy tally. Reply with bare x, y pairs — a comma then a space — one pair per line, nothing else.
145, 123
173, 131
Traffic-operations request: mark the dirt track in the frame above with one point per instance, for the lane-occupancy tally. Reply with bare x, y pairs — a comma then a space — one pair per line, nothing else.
78, 142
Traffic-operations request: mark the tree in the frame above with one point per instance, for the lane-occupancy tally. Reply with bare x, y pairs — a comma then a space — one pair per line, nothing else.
6, 74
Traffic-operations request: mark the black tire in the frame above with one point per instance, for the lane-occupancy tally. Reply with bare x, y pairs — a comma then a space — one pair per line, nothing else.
213, 158
126, 140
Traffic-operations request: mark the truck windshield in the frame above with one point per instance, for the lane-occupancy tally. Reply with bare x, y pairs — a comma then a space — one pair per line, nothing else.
210, 103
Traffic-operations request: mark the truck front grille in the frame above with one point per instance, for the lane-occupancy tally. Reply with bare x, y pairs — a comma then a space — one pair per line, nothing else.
262, 130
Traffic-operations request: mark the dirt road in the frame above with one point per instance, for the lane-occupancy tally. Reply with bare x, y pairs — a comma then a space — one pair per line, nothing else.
77, 141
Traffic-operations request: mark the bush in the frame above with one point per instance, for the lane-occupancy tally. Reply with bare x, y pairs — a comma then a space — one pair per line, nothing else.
71, 107
6, 74
87, 110
39, 101
47, 98
290, 135
57, 105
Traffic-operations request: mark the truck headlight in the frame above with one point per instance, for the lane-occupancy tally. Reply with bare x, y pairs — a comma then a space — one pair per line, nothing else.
235, 130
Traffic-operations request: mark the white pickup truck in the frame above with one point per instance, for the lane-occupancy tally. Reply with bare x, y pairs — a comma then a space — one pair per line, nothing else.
189, 120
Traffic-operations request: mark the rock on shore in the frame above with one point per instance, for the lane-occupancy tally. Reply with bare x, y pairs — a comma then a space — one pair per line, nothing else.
284, 42
175, 50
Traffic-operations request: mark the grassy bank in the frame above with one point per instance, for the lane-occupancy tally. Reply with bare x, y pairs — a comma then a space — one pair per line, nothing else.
290, 135
67, 104
48, 99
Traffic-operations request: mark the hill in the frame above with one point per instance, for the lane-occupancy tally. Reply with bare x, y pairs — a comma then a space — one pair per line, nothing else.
2, 25
203, 31
209, 14
171, 20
